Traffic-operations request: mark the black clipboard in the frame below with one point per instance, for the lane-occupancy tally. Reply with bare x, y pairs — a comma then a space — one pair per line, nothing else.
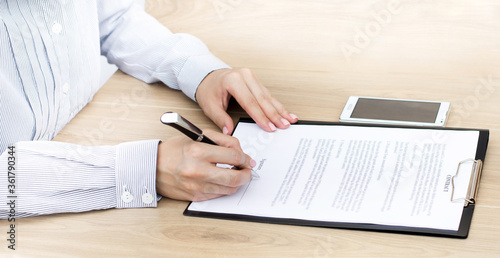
467, 213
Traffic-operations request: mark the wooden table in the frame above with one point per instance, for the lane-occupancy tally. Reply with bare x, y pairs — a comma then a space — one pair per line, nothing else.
312, 55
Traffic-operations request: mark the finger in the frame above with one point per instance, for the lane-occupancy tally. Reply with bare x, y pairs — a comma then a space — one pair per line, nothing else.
230, 156
211, 189
220, 118
204, 197
250, 77
222, 179
219, 153
223, 140
184, 195
272, 108
249, 103
206, 182
267, 104
219, 185
292, 118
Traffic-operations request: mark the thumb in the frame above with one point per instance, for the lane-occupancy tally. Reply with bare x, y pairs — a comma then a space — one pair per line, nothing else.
221, 119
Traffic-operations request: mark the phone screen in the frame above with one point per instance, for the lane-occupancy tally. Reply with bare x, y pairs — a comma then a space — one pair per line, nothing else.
397, 110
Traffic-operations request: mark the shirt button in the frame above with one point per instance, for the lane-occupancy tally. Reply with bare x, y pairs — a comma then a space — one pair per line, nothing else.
56, 28
127, 197
65, 88
147, 198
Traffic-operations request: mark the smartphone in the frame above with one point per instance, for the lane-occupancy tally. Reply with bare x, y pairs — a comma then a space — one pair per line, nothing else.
395, 111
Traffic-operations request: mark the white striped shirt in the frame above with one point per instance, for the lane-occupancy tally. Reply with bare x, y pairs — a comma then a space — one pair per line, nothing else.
49, 70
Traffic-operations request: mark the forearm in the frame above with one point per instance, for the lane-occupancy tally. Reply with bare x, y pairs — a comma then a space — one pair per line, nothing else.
54, 177
142, 47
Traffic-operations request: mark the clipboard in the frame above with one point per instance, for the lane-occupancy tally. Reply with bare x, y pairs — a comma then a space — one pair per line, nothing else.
468, 207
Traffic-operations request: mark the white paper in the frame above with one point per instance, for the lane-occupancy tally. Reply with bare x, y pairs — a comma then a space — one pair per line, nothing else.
356, 174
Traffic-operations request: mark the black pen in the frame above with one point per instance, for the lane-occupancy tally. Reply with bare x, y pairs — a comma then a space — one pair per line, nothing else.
190, 130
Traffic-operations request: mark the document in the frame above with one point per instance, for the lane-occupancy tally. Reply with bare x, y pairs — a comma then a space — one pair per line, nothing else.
353, 174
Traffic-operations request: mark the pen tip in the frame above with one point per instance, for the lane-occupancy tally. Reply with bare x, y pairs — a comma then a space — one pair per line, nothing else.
255, 175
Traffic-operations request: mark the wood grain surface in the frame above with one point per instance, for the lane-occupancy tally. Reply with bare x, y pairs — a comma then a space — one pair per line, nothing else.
312, 55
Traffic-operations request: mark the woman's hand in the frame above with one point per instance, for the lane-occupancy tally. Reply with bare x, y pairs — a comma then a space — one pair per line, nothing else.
215, 91
187, 170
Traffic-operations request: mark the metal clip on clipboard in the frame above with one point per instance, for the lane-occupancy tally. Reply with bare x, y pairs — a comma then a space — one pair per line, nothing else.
477, 168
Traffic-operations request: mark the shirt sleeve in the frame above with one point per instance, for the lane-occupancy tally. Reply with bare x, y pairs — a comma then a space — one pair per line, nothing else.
56, 177
142, 47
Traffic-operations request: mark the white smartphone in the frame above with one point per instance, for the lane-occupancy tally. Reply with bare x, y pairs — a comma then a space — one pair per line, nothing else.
395, 111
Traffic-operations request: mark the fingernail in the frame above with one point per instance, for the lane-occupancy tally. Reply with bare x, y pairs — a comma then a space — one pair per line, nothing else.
294, 116
224, 130
271, 125
252, 163
285, 122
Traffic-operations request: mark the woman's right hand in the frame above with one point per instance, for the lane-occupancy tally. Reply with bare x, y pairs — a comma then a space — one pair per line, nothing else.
186, 169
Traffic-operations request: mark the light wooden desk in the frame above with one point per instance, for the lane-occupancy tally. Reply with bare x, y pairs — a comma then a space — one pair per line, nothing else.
415, 49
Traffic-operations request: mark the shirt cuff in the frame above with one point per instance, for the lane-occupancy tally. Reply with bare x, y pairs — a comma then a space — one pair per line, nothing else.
195, 70
135, 171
